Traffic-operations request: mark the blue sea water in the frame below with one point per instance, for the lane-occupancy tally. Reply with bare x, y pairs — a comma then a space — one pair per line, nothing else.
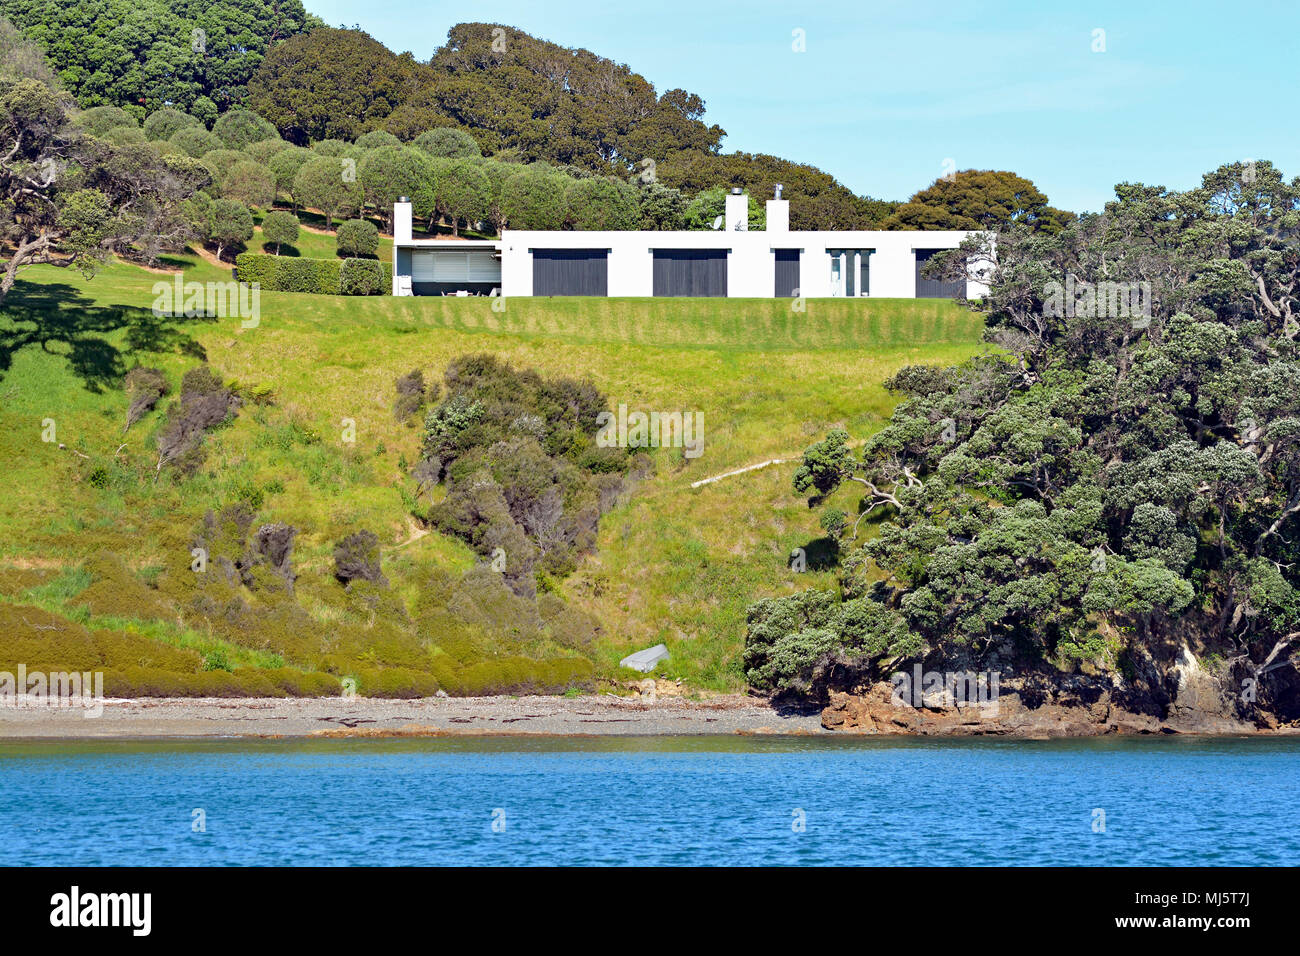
664, 800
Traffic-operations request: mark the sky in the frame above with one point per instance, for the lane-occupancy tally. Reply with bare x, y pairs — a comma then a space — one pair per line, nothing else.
887, 97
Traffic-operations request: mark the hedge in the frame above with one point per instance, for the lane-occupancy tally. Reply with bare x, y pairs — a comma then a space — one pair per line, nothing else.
321, 276
362, 277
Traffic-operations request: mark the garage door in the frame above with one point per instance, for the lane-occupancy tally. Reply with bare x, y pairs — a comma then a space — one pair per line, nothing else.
934, 288
787, 273
697, 272
570, 272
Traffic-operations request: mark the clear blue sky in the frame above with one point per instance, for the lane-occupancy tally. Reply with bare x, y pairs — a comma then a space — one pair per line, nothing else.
887, 91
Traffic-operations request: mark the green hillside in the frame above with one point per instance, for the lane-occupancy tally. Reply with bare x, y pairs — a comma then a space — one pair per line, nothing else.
97, 538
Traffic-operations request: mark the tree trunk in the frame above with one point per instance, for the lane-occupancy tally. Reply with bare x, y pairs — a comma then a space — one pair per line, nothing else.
24, 251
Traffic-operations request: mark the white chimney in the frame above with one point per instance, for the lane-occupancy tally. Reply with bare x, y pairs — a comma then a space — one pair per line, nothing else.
778, 213
402, 220
737, 211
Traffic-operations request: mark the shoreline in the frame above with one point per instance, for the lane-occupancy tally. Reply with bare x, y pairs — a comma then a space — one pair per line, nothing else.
532, 716
360, 717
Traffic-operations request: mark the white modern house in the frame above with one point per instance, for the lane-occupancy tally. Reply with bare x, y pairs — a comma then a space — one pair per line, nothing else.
729, 261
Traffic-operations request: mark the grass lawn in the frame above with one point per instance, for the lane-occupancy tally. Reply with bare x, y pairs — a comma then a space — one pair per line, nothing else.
314, 242
674, 564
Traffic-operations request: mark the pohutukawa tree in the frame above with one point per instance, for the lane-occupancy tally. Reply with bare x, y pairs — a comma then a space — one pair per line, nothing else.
1106, 487
70, 199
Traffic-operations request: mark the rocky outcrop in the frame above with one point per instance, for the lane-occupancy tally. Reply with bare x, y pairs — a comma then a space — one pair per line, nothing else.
1032, 708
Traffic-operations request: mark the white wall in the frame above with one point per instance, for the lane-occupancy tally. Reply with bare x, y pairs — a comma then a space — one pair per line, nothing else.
751, 269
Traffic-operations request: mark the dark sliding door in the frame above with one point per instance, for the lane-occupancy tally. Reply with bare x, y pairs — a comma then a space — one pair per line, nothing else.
934, 288
570, 272
690, 272
787, 273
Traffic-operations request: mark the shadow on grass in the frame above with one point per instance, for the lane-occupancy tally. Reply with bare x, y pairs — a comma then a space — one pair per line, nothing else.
286, 250
97, 340
821, 554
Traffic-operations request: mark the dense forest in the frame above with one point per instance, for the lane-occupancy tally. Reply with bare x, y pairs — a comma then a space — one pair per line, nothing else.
523, 101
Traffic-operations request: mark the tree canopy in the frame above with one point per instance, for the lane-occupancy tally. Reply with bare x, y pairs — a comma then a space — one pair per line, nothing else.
146, 54
68, 198
979, 199
330, 84
1119, 475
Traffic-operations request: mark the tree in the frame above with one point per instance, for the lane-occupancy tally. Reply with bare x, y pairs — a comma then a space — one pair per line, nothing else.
161, 124
979, 199
195, 141
336, 147
263, 150
239, 128
232, 224
817, 201
1119, 480
463, 192
330, 83
390, 172
601, 204
358, 238
145, 54
553, 103
280, 228
218, 163
101, 119
660, 207
496, 174
418, 115
70, 200
533, 198
249, 182
284, 166
376, 138
705, 207
329, 185
450, 142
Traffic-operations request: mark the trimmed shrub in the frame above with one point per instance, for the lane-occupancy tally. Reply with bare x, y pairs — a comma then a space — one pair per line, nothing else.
377, 138
250, 182
231, 224
357, 237
100, 119
124, 136
257, 267
448, 142
195, 141
161, 124
361, 277
281, 228
318, 276
263, 150
240, 127
301, 275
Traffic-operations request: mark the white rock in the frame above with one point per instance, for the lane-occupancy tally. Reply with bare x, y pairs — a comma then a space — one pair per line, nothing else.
646, 660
